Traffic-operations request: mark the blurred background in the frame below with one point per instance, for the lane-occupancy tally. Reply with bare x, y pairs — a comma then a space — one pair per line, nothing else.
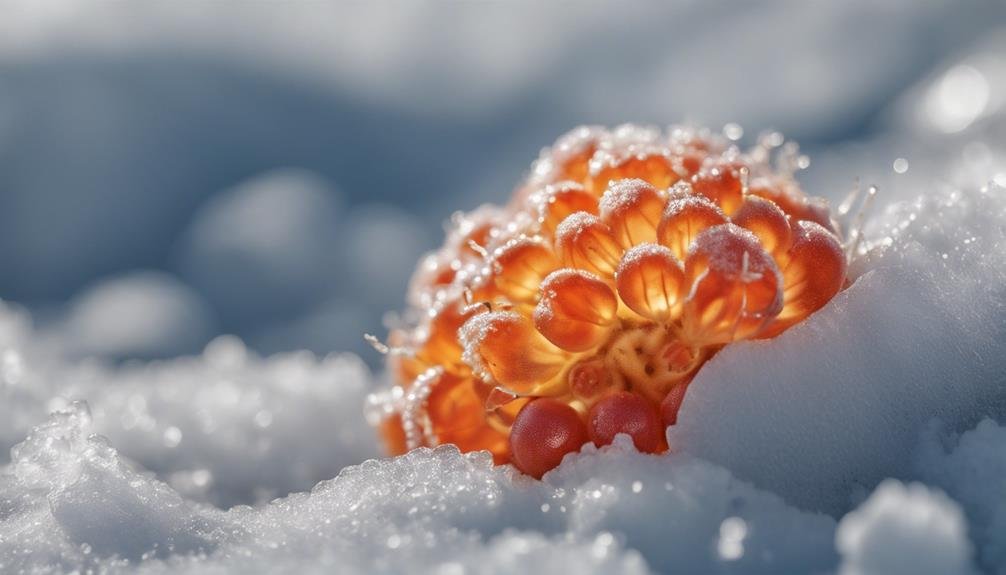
170, 171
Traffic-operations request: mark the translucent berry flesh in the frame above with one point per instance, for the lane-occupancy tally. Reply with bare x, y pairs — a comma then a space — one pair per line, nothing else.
585, 307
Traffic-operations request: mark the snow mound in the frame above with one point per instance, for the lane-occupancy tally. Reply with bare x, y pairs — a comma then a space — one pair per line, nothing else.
68, 501
908, 530
824, 412
71, 502
137, 314
226, 427
971, 467
265, 245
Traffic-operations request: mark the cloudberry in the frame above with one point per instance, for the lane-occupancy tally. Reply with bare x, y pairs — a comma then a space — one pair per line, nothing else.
584, 308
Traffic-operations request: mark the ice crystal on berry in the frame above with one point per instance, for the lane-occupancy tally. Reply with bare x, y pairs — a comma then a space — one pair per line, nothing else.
583, 309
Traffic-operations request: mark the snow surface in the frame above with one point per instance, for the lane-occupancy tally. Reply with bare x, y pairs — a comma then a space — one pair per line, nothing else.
904, 529
780, 444
226, 427
834, 405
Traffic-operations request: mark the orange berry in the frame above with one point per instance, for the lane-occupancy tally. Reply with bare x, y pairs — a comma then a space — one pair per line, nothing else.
454, 408
438, 335
767, 221
556, 202
572, 153
813, 273
625, 260
721, 184
654, 167
793, 201
690, 163
628, 413
435, 272
474, 228
736, 287
685, 217
519, 266
576, 311
632, 209
585, 242
505, 346
651, 281
543, 433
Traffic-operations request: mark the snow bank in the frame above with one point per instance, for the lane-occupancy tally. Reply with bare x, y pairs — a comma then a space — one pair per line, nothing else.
908, 530
826, 411
226, 426
71, 502
971, 468
137, 314
272, 236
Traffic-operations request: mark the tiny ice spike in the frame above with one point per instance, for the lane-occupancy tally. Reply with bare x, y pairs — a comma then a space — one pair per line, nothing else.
584, 308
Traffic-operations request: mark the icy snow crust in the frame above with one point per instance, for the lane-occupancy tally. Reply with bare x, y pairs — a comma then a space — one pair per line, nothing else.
780, 445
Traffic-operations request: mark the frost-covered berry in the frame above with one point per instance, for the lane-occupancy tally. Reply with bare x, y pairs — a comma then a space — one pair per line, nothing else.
626, 260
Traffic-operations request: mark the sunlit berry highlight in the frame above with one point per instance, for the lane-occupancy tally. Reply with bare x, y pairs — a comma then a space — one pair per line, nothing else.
584, 308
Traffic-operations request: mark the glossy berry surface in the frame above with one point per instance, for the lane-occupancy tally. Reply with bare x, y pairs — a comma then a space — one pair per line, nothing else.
544, 431
628, 413
585, 306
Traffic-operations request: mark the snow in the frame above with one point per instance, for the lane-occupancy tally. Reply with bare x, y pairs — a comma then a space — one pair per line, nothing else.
137, 314
577, 54
971, 468
837, 403
72, 502
226, 426
271, 235
904, 529
779, 446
